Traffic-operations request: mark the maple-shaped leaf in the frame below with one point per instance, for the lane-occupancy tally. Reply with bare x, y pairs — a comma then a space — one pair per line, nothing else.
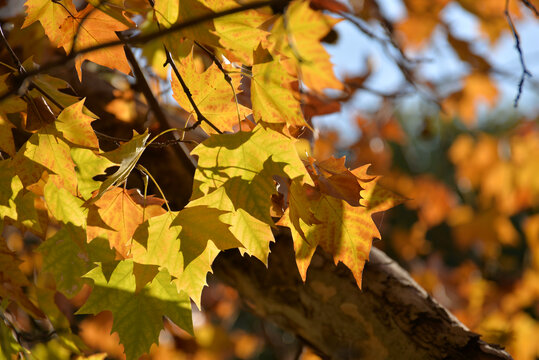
272, 94
16, 203
12, 280
127, 156
245, 155
46, 151
138, 316
346, 232
333, 178
6, 136
91, 27
298, 38
66, 258
254, 234
64, 207
52, 87
75, 126
157, 242
11, 104
51, 15
211, 93
88, 164
193, 278
239, 34
199, 225
116, 216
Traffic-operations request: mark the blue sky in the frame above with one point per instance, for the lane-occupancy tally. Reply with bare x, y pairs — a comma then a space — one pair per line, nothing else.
353, 48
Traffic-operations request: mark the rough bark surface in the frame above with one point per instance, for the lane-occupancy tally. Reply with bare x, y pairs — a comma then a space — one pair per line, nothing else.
392, 317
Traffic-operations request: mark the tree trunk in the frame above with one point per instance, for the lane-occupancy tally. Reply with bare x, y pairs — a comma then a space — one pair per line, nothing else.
392, 317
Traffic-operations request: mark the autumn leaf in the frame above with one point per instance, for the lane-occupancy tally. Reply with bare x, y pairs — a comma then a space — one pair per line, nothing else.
88, 164
272, 95
127, 156
211, 93
46, 151
254, 234
65, 256
138, 316
346, 232
51, 15
75, 126
12, 280
299, 40
91, 27
244, 155
6, 136
121, 216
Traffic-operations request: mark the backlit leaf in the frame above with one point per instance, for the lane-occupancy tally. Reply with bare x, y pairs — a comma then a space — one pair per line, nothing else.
138, 316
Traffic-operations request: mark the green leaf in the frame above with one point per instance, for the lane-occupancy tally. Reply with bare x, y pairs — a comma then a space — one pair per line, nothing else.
127, 156
88, 164
272, 95
245, 155
138, 316
254, 234
193, 278
200, 225
157, 242
65, 207
66, 258
75, 126
9, 347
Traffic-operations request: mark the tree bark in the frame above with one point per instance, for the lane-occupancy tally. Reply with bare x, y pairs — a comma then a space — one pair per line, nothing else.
392, 317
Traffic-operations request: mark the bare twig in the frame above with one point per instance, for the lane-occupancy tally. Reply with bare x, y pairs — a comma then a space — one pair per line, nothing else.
525, 73
200, 117
530, 6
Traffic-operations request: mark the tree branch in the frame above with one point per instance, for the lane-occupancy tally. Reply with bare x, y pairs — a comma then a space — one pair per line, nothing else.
525, 71
139, 39
392, 317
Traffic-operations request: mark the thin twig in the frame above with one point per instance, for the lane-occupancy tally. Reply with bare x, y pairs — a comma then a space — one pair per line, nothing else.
227, 77
530, 6
200, 118
525, 71
139, 39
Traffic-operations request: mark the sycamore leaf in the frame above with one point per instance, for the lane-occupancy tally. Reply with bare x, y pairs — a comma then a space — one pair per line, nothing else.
45, 148
127, 156
88, 164
157, 242
16, 203
254, 234
199, 225
12, 280
299, 40
75, 126
97, 28
244, 155
64, 207
121, 216
11, 104
333, 178
52, 86
211, 93
51, 15
193, 278
239, 34
138, 316
6, 136
66, 258
272, 94
346, 232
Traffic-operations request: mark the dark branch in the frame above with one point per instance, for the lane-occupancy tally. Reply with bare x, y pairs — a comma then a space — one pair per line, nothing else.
525, 72
200, 118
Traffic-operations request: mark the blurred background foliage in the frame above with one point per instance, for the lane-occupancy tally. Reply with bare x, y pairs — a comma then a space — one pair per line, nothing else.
469, 233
